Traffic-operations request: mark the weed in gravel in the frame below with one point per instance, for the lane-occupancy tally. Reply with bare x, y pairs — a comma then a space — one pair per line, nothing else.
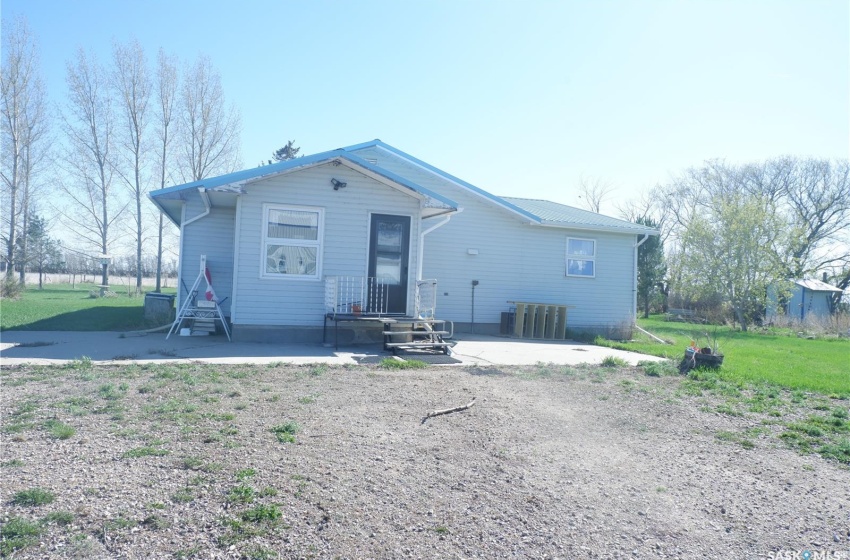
245, 474
17, 427
658, 369
240, 406
239, 531
59, 430
441, 530
728, 409
220, 417
33, 497
183, 496
317, 370
286, 432
156, 505
733, 437
83, 363
146, 451
78, 406
18, 533
613, 362
258, 552
187, 553
146, 389
156, 522
308, 399
58, 517
241, 494
267, 492
12, 463
261, 513
109, 392
628, 385
839, 451
191, 463
392, 363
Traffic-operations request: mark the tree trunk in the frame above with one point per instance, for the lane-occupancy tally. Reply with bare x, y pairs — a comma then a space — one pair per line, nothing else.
742, 320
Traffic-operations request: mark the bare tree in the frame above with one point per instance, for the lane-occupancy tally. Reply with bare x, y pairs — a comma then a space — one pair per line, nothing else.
24, 130
89, 122
210, 130
132, 83
593, 193
166, 101
816, 199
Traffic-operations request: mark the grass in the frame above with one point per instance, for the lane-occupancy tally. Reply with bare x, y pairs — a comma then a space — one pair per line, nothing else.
59, 307
18, 533
59, 430
777, 356
286, 432
33, 497
392, 363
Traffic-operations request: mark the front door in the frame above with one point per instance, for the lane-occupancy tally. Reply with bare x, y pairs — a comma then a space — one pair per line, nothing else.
389, 253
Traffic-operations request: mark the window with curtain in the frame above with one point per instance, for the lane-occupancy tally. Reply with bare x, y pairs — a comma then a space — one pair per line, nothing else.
292, 242
581, 257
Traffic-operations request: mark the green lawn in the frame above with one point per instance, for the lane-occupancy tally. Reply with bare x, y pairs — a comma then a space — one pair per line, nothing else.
775, 356
58, 307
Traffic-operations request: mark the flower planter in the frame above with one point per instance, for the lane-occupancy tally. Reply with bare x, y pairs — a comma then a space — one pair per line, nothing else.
703, 357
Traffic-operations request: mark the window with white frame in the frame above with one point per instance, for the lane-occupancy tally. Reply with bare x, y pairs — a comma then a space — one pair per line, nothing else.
292, 242
581, 257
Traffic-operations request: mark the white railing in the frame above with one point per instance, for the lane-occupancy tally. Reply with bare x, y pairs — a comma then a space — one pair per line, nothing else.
355, 295
426, 299
367, 295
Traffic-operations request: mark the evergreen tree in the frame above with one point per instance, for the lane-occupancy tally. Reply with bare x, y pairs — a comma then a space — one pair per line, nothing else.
287, 152
651, 265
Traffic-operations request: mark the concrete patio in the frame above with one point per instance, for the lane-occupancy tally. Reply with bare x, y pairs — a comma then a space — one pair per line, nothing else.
58, 347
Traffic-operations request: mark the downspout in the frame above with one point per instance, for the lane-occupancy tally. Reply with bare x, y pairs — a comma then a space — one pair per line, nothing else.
205, 198
422, 235
634, 291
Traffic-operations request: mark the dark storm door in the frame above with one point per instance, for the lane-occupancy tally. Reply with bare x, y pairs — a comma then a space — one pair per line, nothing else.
389, 254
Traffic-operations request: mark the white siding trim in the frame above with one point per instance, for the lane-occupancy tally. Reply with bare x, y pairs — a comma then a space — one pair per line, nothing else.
180, 257
235, 282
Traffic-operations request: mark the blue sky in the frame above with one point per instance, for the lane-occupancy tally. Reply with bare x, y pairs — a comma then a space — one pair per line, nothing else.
519, 98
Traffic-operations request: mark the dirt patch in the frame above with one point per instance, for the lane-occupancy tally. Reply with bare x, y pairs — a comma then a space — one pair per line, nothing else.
551, 462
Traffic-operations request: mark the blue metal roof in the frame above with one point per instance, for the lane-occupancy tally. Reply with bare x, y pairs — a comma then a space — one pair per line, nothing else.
493, 198
555, 214
541, 212
306, 161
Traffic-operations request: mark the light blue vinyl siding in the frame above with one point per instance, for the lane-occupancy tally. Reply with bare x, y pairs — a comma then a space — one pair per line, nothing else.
281, 301
516, 261
212, 236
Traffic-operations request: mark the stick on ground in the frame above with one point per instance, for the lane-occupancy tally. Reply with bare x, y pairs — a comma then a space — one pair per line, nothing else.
448, 410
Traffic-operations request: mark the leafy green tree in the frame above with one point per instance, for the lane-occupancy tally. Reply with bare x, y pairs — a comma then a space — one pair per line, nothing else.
287, 152
730, 250
651, 265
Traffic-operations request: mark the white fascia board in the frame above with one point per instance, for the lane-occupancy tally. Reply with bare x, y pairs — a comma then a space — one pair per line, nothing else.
603, 229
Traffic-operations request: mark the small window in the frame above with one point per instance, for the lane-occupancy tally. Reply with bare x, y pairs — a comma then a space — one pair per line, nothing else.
581, 257
292, 242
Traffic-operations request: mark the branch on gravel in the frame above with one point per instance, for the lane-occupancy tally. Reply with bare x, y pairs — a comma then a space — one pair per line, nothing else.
449, 410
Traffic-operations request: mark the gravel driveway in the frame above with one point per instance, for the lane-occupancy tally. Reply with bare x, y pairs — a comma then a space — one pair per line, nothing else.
171, 461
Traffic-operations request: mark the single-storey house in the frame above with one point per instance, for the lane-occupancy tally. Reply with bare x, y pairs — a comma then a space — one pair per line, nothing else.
808, 300
279, 238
